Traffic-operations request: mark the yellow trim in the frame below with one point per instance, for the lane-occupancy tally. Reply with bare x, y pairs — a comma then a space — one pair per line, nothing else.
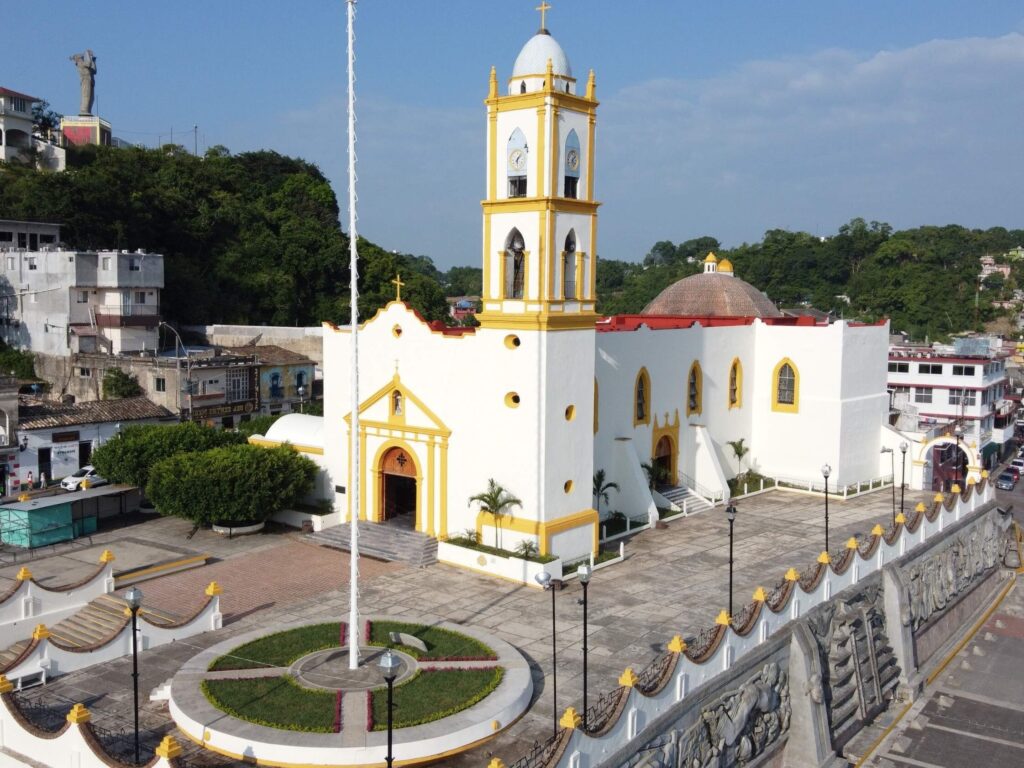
671, 431
431, 448
698, 381
580, 258
737, 368
592, 296
492, 166
545, 279
645, 377
439, 427
544, 530
381, 310
362, 467
393, 417
537, 321
378, 512
793, 407
487, 293
298, 447
516, 101
444, 489
540, 203
539, 180
511, 341
78, 714
160, 567
512, 399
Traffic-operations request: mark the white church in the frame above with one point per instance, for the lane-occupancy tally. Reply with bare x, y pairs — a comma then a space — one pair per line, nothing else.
545, 392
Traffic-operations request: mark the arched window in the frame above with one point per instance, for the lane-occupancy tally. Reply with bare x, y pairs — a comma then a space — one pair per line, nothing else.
522, 86
517, 153
396, 403
642, 398
694, 389
569, 266
276, 390
572, 165
786, 387
736, 384
515, 265
300, 379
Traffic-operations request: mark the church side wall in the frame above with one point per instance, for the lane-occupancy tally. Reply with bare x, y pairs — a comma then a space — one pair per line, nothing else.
865, 402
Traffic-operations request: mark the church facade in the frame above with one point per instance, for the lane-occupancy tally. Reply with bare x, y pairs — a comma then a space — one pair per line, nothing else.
545, 393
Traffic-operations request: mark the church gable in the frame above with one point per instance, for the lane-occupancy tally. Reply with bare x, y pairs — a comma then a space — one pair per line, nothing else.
395, 405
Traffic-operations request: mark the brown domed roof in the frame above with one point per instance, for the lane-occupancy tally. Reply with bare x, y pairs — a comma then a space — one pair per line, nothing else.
712, 294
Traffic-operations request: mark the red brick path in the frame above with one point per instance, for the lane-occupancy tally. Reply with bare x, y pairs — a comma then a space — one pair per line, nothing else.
291, 572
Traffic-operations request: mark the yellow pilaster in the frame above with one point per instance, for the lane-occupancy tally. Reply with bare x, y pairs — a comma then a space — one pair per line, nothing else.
431, 488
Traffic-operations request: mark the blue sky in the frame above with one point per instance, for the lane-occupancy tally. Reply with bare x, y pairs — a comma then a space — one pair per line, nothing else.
718, 118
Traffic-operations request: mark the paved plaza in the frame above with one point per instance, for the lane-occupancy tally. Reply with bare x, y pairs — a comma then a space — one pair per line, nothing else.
674, 581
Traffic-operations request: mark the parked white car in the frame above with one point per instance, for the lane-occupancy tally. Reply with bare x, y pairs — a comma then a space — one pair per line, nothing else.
73, 482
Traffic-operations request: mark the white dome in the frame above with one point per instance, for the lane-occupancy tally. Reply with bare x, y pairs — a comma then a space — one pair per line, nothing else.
533, 59
298, 429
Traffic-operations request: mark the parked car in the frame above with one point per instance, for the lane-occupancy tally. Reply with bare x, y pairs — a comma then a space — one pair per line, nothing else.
1015, 472
1018, 463
1005, 482
74, 481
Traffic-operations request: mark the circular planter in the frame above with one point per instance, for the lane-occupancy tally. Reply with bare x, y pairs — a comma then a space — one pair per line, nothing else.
238, 529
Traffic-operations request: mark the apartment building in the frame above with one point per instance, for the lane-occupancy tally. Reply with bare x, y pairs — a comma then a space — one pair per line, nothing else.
18, 140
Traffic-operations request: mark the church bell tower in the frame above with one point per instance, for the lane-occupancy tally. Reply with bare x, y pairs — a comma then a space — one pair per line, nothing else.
540, 216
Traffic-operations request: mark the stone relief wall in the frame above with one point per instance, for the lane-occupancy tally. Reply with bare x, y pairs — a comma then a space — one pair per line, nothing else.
734, 730
933, 582
859, 667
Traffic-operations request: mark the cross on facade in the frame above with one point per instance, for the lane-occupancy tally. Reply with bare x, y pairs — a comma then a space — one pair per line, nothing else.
397, 282
543, 8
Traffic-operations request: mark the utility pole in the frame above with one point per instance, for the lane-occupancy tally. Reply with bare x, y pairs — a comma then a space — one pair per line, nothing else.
195, 140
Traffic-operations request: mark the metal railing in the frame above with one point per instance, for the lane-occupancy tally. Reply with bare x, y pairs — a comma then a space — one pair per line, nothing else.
539, 754
710, 496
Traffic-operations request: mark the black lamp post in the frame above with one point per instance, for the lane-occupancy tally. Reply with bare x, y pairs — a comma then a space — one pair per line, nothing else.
544, 579
892, 471
903, 474
584, 572
389, 664
302, 398
134, 599
730, 513
826, 470
958, 432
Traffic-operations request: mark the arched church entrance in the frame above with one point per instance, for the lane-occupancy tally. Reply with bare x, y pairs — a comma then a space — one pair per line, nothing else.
663, 452
398, 488
949, 465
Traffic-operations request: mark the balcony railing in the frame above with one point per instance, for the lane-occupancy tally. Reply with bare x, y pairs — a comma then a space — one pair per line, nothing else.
126, 315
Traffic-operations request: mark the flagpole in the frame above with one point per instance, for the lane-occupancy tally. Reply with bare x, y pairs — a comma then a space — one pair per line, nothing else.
353, 579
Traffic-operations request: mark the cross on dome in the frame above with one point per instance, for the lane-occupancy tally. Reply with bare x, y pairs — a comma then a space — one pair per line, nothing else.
543, 8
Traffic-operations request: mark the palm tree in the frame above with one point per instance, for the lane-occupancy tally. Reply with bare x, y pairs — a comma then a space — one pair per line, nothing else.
496, 501
740, 450
601, 489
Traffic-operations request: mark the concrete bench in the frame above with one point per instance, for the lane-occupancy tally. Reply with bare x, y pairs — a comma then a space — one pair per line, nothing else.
410, 641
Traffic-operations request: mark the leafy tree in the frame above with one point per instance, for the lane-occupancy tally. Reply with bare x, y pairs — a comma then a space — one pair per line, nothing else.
464, 281
601, 489
130, 457
19, 364
118, 384
257, 425
496, 502
44, 119
232, 484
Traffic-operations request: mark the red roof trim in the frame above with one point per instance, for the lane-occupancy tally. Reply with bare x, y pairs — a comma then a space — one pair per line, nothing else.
15, 94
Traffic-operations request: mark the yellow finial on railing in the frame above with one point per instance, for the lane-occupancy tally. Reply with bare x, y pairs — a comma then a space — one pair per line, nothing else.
676, 644
496, 762
723, 619
939, 498
971, 481
984, 474
878, 530
628, 678
6, 686
571, 719
213, 589
760, 595
79, 714
40, 632
851, 543
920, 507
107, 557
24, 574
901, 519
169, 748
824, 558
956, 489
792, 575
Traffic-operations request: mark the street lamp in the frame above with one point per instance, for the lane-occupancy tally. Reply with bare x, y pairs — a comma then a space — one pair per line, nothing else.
903, 474
826, 470
133, 597
544, 579
389, 664
892, 469
730, 513
584, 572
958, 432
302, 397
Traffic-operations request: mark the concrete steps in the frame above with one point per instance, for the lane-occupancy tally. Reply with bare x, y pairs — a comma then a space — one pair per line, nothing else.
382, 542
9, 655
684, 498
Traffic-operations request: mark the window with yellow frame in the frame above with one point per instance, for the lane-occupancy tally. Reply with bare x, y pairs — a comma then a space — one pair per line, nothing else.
786, 387
694, 390
736, 384
642, 398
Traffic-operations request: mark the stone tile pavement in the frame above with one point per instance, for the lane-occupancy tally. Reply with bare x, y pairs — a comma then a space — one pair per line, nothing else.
674, 581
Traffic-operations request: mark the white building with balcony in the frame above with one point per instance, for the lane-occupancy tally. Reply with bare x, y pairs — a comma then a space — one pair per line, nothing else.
954, 405
17, 137
57, 302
